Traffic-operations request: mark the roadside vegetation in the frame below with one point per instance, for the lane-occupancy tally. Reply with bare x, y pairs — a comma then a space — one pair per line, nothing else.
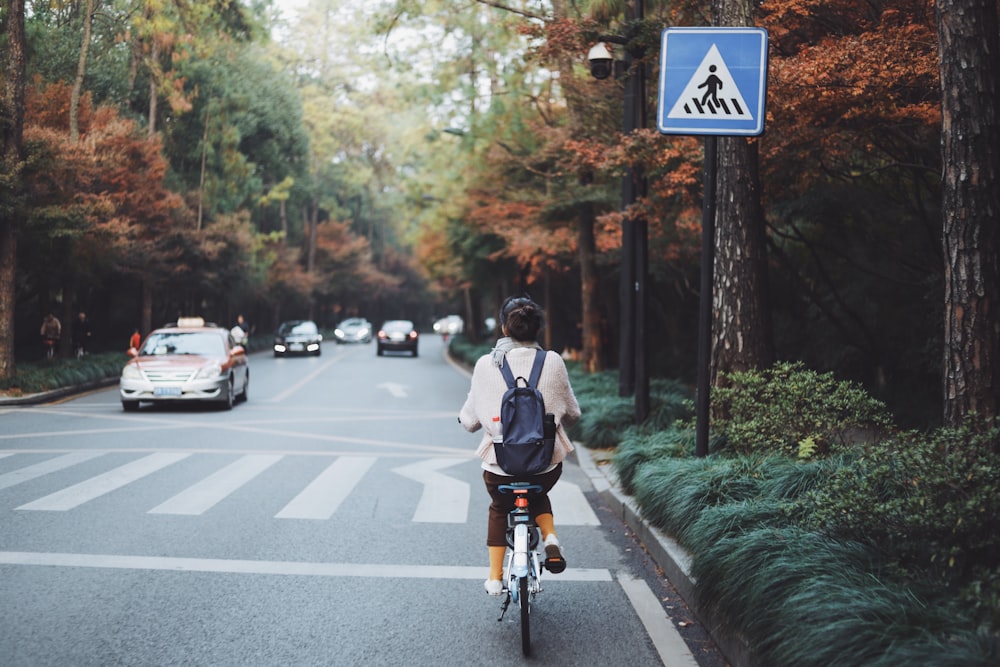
819, 532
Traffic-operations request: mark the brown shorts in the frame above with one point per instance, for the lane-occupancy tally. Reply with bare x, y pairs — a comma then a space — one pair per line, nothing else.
503, 503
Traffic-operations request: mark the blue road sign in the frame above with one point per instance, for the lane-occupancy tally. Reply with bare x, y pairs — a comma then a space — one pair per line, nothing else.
712, 81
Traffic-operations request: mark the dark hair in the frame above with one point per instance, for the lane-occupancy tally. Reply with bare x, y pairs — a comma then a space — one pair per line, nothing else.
522, 318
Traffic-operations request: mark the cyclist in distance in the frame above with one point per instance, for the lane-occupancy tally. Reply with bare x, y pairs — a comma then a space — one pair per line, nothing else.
521, 320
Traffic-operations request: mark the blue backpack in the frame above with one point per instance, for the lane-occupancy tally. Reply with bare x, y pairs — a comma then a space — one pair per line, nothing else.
525, 449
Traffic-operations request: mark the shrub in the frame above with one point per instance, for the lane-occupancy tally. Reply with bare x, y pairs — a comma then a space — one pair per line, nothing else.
790, 410
929, 503
33, 378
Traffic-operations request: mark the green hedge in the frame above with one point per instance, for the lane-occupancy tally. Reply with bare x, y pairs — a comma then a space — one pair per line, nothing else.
883, 551
40, 376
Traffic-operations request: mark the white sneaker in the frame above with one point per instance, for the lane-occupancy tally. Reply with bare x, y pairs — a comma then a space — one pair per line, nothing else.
493, 587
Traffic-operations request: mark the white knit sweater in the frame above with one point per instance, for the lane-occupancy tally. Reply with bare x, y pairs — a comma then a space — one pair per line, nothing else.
488, 387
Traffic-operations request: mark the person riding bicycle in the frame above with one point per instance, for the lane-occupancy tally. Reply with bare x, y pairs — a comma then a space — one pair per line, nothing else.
521, 320
51, 331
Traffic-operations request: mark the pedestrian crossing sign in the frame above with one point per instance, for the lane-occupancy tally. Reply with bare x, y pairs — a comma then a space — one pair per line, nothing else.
712, 81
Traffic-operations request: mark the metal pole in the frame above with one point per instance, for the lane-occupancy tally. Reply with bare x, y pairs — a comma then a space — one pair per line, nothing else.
626, 345
705, 301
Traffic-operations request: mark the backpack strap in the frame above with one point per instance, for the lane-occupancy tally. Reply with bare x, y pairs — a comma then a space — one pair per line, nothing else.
536, 371
508, 377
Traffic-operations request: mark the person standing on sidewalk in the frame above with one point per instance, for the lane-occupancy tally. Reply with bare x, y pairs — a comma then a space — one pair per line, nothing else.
521, 320
81, 335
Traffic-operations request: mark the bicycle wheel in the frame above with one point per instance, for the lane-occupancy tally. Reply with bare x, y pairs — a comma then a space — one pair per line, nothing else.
525, 604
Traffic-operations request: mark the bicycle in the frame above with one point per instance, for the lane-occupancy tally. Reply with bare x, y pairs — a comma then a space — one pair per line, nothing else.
523, 569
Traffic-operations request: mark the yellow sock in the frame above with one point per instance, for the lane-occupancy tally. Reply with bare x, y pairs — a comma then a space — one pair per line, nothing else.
496, 562
547, 524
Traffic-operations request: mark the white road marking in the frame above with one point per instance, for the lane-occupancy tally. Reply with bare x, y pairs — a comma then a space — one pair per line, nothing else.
301, 383
570, 506
669, 644
204, 495
324, 494
15, 477
297, 568
397, 390
95, 487
444, 499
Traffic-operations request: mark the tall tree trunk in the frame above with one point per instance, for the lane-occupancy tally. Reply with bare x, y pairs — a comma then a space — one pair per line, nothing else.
969, 50
591, 333
67, 315
81, 71
590, 330
154, 64
741, 327
147, 305
11, 190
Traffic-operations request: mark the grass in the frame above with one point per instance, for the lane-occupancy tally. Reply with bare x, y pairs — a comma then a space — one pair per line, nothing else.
796, 596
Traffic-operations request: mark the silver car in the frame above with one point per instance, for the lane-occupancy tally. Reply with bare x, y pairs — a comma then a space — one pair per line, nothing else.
186, 361
353, 330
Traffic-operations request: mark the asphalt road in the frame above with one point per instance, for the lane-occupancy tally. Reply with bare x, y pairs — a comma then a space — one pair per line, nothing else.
335, 518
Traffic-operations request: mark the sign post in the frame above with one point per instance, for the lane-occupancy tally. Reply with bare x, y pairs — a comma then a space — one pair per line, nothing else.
713, 83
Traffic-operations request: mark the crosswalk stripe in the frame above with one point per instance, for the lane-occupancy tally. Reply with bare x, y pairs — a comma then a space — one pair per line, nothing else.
204, 495
324, 494
95, 487
15, 477
444, 499
570, 506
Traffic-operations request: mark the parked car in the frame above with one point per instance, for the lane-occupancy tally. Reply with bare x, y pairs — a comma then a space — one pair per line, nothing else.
298, 337
452, 324
353, 330
188, 360
397, 336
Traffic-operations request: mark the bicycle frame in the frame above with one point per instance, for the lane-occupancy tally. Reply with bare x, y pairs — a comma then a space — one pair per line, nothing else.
523, 579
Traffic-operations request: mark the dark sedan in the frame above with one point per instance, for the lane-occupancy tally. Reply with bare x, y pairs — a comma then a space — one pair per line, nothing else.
397, 336
298, 337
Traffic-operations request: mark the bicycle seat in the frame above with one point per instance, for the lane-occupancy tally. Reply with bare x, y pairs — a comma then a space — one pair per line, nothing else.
520, 487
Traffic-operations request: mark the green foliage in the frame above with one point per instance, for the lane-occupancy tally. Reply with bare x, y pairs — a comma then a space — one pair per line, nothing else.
607, 417
799, 595
33, 378
638, 448
927, 501
789, 409
800, 598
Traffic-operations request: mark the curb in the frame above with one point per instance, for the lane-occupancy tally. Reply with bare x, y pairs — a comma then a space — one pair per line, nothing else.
669, 555
54, 394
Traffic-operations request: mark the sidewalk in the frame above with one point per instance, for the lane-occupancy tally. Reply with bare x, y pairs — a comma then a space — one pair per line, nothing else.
672, 558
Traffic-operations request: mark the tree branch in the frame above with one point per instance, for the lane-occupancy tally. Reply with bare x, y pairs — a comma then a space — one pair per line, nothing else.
499, 5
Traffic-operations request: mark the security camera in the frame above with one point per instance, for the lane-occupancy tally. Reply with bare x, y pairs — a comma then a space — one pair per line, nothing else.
601, 61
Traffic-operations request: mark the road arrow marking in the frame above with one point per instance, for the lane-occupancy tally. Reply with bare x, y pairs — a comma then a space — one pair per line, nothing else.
444, 499
397, 390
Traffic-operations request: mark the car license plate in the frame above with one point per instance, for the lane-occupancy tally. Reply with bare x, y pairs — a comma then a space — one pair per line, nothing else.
296, 346
166, 391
